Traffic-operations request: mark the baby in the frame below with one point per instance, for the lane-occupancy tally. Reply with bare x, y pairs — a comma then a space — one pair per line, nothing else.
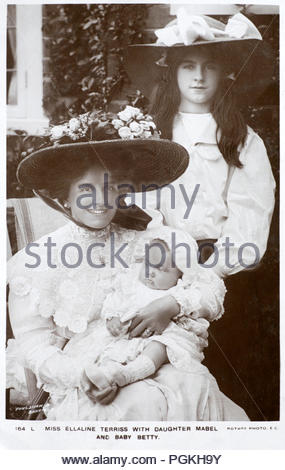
124, 360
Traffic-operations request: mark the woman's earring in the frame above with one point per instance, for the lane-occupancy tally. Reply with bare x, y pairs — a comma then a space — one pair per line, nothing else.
162, 61
66, 205
231, 76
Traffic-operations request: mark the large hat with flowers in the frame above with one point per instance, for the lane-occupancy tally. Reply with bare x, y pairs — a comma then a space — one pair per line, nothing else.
248, 59
126, 144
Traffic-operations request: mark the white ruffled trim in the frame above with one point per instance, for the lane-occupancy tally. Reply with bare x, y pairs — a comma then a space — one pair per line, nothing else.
20, 286
192, 297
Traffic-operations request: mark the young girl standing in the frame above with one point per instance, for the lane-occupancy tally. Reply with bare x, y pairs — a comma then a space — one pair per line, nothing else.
201, 71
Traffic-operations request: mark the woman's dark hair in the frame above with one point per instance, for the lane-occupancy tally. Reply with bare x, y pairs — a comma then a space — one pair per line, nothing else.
61, 180
62, 176
231, 127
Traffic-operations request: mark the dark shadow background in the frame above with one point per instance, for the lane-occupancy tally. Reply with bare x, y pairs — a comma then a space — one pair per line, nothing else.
243, 352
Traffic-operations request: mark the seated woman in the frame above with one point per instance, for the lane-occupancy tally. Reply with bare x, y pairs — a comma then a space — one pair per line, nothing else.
58, 284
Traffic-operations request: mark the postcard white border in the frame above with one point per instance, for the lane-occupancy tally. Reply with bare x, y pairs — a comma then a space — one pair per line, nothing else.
208, 442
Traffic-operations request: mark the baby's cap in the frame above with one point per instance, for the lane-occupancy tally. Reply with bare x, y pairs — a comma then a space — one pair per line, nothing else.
183, 247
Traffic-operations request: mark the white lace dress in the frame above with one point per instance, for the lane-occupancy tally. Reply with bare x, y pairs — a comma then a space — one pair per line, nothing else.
57, 289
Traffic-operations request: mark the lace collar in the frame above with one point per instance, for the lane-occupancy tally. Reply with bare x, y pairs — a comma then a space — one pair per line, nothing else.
83, 233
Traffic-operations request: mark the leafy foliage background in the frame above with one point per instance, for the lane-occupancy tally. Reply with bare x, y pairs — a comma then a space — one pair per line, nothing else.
85, 45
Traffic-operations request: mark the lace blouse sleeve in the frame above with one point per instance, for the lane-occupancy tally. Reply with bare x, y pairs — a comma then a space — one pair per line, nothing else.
201, 297
250, 202
31, 304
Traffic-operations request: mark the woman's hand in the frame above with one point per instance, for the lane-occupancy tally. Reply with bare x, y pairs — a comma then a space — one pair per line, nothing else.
156, 316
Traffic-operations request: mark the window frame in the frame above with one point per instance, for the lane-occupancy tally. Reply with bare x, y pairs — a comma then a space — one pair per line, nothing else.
28, 113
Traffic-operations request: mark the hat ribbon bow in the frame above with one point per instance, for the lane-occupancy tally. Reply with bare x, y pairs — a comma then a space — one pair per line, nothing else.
188, 28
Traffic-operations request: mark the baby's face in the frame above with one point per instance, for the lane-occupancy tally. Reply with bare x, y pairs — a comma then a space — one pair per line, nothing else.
162, 277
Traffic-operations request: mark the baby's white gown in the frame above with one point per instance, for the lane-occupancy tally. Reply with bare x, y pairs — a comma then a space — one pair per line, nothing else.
49, 306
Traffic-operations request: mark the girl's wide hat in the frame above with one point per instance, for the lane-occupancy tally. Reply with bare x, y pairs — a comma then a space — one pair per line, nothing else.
141, 161
248, 59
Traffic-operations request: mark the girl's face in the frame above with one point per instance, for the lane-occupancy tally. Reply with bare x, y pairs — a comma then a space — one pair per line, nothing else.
198, 78
93, 204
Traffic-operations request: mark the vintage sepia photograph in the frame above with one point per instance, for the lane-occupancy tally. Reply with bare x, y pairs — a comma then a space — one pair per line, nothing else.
142, 213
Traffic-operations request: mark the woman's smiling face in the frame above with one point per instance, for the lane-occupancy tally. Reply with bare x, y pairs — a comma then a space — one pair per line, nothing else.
198, 78
92, 198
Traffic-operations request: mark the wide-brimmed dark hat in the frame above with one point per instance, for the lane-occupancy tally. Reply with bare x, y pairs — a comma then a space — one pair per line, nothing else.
139, 159
142, 161
247, 58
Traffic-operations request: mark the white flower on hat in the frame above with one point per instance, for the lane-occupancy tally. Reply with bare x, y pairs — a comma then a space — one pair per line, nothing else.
126, 114
117, 123
147, 125
139, 116
136, 128
130, 112
147, 134
57, 132
74, 124
125, 133
136, 112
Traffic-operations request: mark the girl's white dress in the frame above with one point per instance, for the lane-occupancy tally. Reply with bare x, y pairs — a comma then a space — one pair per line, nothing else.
57, 290
231, 205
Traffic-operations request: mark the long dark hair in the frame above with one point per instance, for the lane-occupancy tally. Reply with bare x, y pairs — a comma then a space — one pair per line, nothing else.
231, 127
